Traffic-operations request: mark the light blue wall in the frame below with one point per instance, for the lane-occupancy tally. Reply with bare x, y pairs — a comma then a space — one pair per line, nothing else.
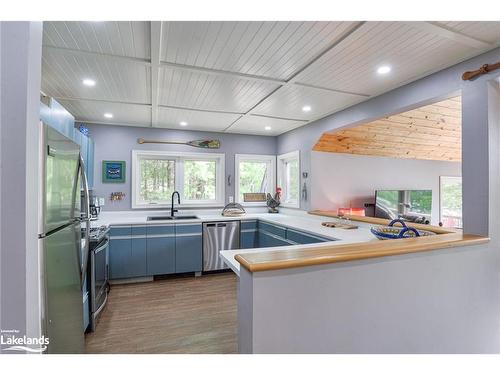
117, 143
440, 85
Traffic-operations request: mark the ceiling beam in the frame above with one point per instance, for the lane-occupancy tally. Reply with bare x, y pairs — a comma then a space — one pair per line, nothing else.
446, 32
218, 72
73, 99
155, 69
83, 53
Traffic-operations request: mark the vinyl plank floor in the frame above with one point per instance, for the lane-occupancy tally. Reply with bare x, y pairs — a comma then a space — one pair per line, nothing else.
174, 315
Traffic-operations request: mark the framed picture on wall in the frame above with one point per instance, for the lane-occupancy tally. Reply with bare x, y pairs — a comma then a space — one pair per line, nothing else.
113, 171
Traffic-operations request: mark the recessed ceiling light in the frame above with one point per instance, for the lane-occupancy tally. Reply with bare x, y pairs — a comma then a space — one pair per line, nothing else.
267, 128
88, 82
306, 108
384, 69
108, 115
183, 123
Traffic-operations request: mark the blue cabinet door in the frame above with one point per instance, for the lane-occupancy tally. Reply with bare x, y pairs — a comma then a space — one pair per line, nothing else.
188, 253
160, 255
160, 249
188, 248
120, 252
137, 266
248, 239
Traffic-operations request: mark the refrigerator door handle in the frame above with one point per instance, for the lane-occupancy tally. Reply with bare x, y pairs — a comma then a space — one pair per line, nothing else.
86, 219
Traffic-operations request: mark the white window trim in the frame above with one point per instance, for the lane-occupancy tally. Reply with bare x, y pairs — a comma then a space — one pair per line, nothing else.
253, 157
281, 177
178, 185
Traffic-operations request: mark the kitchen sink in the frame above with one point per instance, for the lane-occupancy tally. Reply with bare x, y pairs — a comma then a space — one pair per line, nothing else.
152, 218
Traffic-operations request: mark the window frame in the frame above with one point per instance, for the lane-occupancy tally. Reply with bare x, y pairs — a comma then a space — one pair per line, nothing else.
441, 179
179, 158
238, 158
281, 160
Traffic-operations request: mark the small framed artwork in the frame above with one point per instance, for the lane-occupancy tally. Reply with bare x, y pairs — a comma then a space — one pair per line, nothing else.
113, 171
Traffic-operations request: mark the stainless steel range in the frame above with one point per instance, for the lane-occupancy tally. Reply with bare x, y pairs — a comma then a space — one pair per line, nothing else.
98, 272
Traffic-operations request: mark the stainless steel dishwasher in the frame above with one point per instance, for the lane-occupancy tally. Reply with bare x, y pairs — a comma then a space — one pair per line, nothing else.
217, 236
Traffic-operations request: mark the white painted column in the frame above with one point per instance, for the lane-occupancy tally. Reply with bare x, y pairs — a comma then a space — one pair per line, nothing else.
20, 73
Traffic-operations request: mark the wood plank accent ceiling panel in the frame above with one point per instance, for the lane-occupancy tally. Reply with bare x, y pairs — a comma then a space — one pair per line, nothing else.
288, 102
62, 77
123, 114
249, 69
196, 120
432, 132
253, 124
487, 31
115, 38
271, 49
351, 66
209, 92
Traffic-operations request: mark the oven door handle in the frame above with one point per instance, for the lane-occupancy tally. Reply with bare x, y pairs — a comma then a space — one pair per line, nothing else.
102, 247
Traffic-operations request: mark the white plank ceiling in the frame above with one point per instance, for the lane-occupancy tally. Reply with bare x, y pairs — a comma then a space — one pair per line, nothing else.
242, 77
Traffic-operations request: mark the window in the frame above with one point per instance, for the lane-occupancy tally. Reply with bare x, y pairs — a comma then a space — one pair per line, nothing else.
289, 179
254, 174
199, 178
450, 201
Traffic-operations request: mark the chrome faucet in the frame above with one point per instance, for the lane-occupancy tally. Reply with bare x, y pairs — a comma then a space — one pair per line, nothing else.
172, 211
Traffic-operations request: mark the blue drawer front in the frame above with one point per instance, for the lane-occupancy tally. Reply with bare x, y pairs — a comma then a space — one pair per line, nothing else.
250, 224
160, 229
139, 230
160, 255
274, 229
121, 231
188, 253
303, 238
187, 228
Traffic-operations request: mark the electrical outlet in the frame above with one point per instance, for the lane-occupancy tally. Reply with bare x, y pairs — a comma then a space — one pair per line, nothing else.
231, 199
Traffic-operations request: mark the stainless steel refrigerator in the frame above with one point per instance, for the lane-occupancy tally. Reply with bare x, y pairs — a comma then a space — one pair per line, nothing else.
64, 255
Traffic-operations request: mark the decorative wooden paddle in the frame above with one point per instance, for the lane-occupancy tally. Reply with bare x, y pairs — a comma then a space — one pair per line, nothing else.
486, 68
201, 143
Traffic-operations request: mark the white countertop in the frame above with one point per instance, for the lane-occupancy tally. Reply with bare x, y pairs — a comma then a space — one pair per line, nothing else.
294, 219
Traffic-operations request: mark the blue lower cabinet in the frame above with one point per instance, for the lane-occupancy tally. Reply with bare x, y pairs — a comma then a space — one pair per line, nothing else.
160, 250
248, 239
272, 229
127, 252
161, 256
188, 253
248, 234
138, 258
120, 253
188, 248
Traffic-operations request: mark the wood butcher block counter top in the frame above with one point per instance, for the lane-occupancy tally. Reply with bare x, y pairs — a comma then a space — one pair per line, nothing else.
275, 260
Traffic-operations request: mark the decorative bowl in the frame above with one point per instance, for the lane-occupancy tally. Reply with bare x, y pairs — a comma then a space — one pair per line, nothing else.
391, 232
